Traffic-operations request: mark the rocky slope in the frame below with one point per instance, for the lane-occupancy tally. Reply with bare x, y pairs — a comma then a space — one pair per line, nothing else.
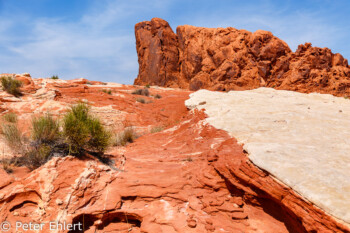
190, 177
230, 59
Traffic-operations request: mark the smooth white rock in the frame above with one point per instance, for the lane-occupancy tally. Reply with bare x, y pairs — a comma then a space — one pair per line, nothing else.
302, 139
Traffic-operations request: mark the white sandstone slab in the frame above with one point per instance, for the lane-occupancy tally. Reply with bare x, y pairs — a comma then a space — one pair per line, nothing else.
302, 139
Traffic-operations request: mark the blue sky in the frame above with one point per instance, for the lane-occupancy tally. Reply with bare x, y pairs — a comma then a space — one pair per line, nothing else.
94, 39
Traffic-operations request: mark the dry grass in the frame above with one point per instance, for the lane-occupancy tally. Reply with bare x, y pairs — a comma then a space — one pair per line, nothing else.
157, 96
157, 129
7, 165
141, 100
10, 117
128, 135
13, 136
144, 92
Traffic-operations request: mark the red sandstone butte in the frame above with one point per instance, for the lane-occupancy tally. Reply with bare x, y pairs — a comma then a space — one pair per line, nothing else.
231, 59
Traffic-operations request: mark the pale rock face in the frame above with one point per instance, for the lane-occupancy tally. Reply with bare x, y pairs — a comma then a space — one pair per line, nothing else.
301, 139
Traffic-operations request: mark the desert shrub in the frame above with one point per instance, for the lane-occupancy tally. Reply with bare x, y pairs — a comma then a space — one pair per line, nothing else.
128, 135
45, 129
10, 117
144, 92
81, 130
109, 92
141, 100
157, 96
99, 136
54, 77
12, 136
6, 165
37, 156
11, 85
188, 159
147, 86
157, 129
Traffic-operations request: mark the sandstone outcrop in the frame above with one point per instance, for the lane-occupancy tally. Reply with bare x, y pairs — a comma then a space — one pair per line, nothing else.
283, 133
190, 177
230, 59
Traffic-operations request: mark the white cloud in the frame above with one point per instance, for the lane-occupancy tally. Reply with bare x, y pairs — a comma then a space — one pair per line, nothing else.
294, 27
100, 45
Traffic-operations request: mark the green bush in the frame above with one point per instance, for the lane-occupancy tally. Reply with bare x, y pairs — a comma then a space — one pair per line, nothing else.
99, 136
82, 131
144, 92
157, 96
11, 85
45, 129
128, 135
10, 117
54, 77
109, 92
147, 86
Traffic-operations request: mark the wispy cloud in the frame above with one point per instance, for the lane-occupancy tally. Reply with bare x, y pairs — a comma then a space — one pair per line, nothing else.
99, 44
293, 26
93, 47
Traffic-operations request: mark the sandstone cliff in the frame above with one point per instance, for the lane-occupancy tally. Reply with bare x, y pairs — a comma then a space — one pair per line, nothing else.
230, 59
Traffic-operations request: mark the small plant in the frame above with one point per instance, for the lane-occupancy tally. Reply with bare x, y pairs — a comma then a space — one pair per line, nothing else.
10, 117
157, 96
12, 136
11, 85
147, 86
157, 129
45, 129
141, 100
144, 92
83, 131
188, 159
7, 165
99, 137
37, 156
347, 97
128, 135
109, 92
54, 77
89, 83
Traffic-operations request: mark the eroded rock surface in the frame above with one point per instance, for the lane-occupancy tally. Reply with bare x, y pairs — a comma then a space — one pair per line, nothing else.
302, 139
190, 177
230, 59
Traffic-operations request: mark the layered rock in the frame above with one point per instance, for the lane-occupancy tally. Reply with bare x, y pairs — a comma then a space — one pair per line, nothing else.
284, 133
230, 59
190, 177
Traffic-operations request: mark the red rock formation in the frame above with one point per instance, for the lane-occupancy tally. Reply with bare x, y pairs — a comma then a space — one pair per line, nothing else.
231, 59
157, 49
190, 177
